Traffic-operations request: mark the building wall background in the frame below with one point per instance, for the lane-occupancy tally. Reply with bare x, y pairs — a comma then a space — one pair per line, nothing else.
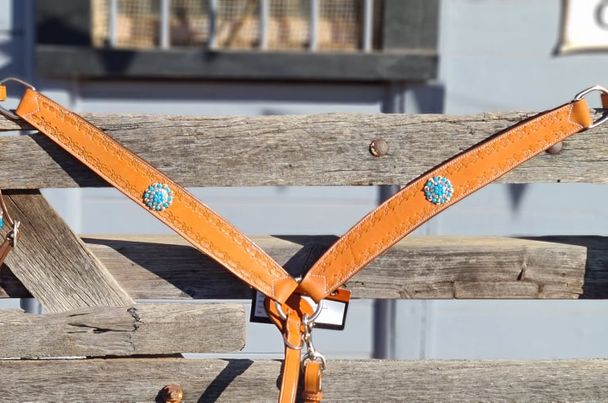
496, 55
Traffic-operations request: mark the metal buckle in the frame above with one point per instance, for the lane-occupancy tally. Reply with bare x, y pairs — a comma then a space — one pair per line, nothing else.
10, 114
582, 94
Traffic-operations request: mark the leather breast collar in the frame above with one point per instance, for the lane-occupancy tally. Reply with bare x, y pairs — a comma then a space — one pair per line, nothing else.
295, 317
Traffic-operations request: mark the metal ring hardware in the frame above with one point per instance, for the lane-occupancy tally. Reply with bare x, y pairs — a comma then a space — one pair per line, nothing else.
582, 94
10, 114
311, 318
316, 356
291, 346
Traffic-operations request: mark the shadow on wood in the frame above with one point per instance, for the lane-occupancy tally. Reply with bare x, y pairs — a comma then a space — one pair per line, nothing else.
596, 267
232, 370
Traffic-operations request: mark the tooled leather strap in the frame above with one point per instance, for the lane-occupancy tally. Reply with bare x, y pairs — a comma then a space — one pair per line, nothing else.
134, 177
450, 182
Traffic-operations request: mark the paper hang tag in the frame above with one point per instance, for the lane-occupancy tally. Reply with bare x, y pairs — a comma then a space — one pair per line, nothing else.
332, 316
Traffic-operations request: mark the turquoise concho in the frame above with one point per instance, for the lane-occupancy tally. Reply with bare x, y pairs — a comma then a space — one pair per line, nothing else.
158, 196
438, 190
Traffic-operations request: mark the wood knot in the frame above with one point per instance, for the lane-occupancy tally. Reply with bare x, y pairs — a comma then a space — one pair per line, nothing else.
171, 393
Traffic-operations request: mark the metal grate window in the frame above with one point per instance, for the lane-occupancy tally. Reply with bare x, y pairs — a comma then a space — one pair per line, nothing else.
125, 23
237, 24
286, 25
189, 23
339, 24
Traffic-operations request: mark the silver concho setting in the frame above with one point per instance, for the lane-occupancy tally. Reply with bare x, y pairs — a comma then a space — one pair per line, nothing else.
158, 196
438, 190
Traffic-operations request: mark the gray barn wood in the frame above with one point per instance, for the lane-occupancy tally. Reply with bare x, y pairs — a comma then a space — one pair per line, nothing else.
329, 149
165, 267
417, 267
98, 380
53, 263
122, 331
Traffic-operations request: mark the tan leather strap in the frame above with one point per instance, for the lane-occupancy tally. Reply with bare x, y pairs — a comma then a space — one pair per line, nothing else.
410, 208
130, 174
291, 364
289, 321
312, 392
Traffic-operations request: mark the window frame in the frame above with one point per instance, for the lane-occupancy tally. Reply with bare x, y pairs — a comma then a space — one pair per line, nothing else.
409, 52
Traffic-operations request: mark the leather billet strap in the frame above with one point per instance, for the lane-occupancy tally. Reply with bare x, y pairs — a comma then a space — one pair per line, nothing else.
138, 180
458, 178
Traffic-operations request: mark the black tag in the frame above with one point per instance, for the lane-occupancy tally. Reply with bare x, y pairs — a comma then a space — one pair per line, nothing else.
332, 316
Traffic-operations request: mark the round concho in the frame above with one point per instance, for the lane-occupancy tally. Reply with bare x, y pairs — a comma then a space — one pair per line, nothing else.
438, 190
158, 196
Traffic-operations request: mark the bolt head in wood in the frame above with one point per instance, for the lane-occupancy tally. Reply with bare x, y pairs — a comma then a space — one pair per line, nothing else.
378, 147
172, 393
555, 148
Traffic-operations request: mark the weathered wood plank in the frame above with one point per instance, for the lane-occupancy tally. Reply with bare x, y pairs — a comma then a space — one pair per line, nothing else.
54, 264
99, 380
158, 329
417, 267
596, 271
329, 149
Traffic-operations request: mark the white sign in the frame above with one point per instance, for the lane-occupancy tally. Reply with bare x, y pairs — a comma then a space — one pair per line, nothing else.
584, 26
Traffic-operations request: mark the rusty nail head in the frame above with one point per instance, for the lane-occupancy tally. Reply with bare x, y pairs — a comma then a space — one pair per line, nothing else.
555, 148
172, 393
378, 147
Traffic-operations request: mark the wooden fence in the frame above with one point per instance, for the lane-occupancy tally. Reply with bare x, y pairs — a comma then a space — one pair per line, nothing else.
105, 347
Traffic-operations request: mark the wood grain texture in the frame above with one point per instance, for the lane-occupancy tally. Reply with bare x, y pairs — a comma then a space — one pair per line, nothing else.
139, 380
155, 329
596, 271
54, 264
165, 267
328, 149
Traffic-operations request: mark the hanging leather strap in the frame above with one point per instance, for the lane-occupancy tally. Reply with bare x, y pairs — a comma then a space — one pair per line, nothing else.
293, 355
466, 173
133, 176
312, 392
289, 321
